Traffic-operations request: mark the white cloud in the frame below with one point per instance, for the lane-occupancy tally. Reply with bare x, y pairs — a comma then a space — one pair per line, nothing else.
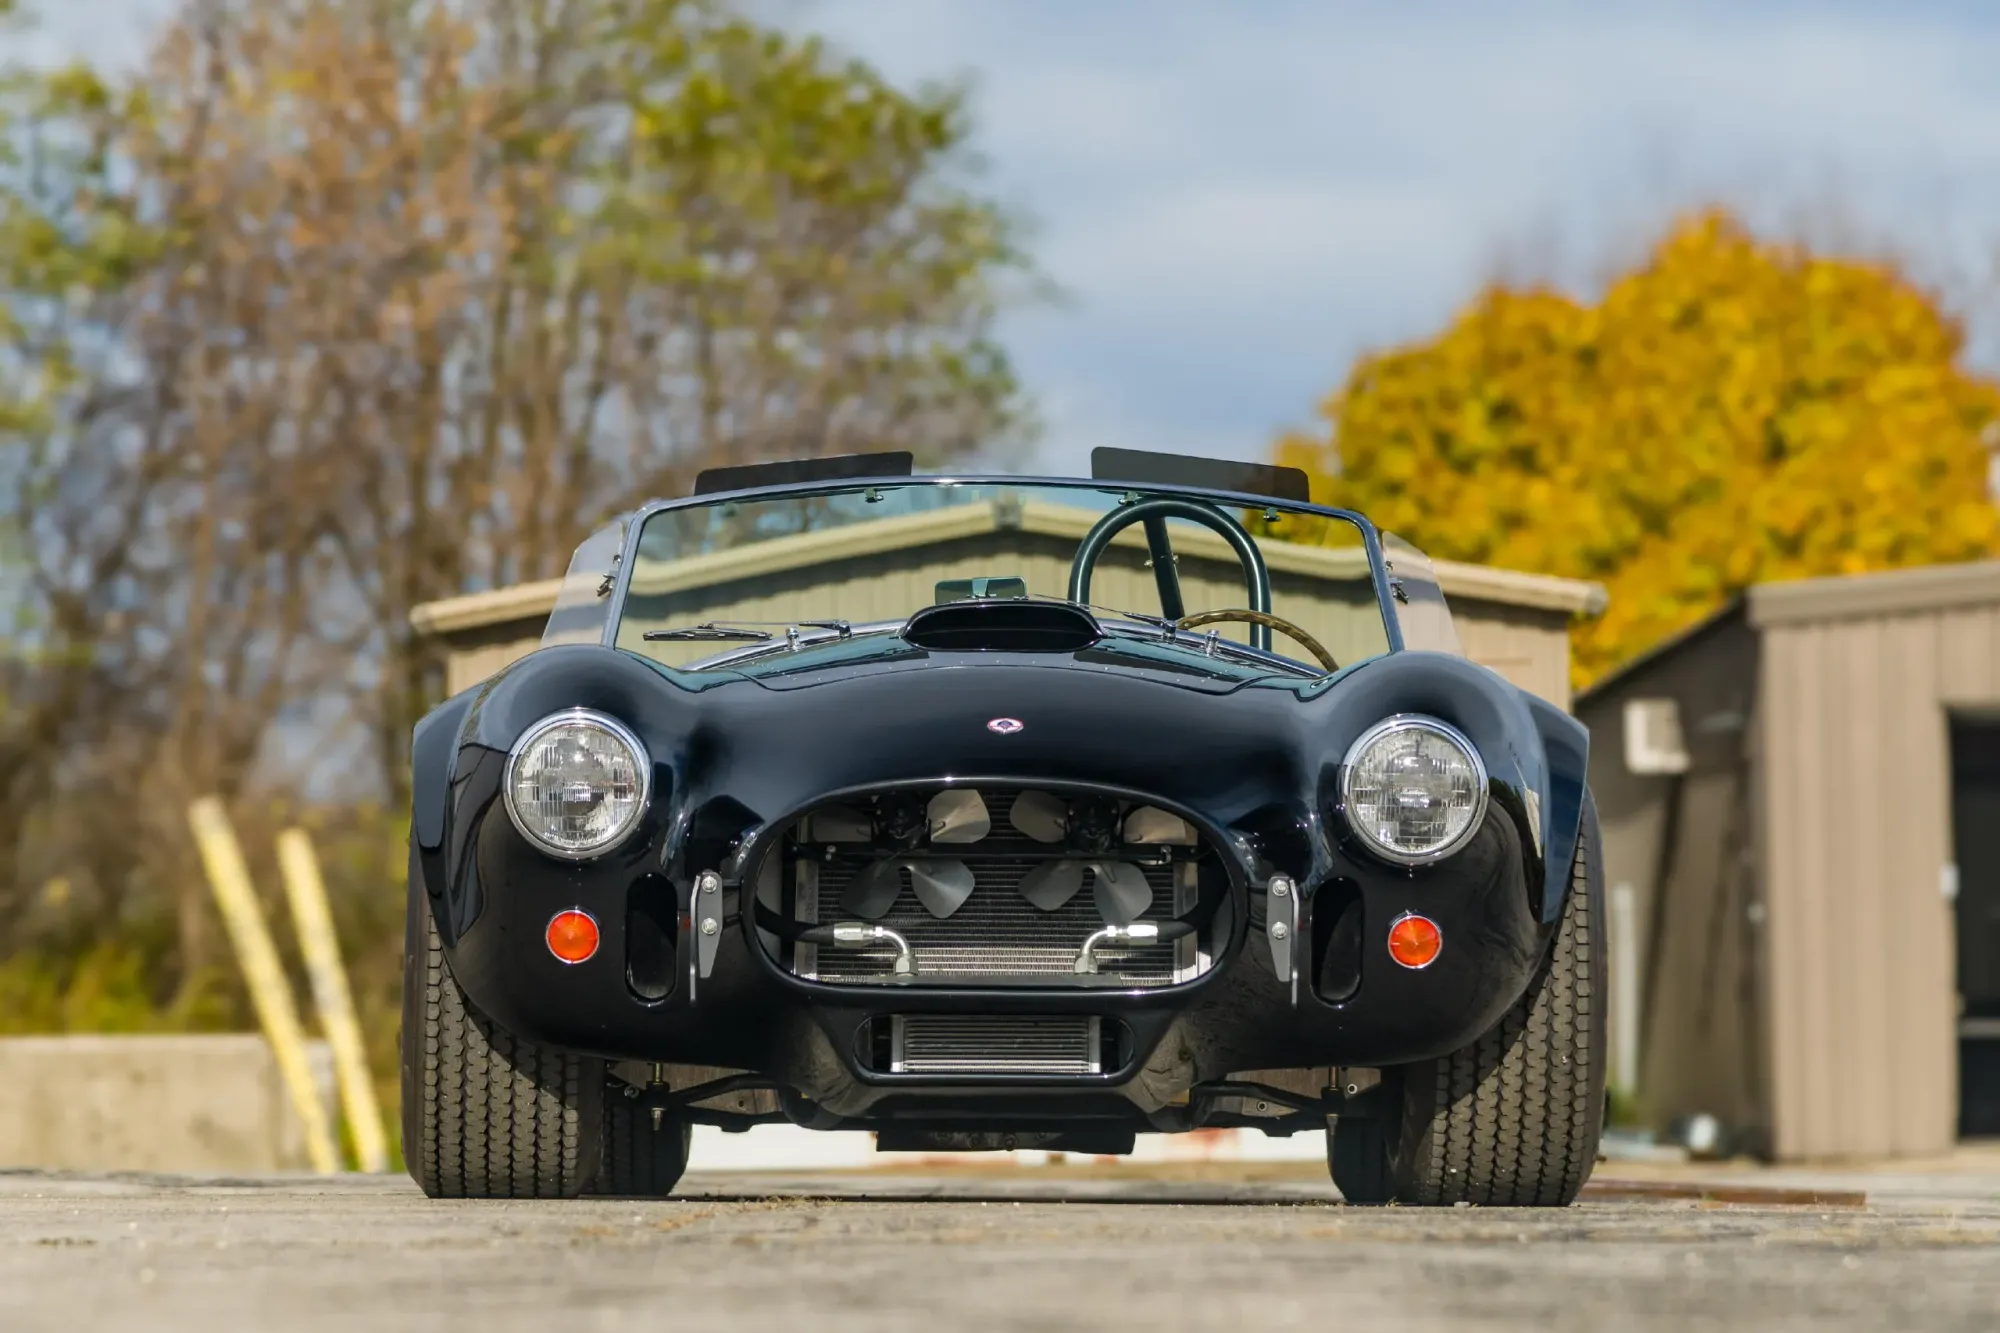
1241, 195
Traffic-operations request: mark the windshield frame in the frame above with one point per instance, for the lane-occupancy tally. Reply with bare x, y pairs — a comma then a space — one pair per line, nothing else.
1371, 537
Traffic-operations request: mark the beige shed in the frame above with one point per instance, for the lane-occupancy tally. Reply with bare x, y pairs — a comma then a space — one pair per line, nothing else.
1801, 806
1515, 623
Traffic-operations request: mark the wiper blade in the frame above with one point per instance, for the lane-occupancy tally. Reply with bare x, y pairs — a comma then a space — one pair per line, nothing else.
707, 632
1162, 623
1209, 644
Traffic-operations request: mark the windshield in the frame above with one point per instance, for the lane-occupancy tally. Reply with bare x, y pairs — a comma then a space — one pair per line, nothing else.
583, 599
737, 581
1420, 606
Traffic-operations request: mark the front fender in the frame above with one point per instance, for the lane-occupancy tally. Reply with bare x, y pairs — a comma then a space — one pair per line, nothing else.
1535, 754
1566, 744
459, 751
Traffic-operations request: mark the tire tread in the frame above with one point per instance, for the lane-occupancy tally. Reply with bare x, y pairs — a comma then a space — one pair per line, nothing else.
640, 1161
1513, 1118
487, 1115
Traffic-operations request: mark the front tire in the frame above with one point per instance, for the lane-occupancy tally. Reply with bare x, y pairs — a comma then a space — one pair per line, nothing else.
487, 1115
642, 1159
1358, 1155
1512, 1119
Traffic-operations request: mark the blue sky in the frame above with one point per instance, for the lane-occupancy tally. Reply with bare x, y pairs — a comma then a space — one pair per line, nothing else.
1240, 197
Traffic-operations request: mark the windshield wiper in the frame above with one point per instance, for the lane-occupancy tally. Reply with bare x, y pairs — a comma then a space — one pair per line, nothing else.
1163, 624
711, 632
707, 632
841, 628
1209, 644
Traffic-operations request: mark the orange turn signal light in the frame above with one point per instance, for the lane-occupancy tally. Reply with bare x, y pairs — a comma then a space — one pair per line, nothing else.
1414, 941
572, 935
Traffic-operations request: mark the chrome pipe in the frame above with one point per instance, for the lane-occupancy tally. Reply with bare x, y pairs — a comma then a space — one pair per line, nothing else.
1086, 958
864, 933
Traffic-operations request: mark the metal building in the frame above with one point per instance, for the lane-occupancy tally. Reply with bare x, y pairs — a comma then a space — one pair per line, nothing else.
1801, 807
1517, 624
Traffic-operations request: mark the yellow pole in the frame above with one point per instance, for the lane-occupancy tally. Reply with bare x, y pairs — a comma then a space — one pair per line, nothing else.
269, 991
331, 997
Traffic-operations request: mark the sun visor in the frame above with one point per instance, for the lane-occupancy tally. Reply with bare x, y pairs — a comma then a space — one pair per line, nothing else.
1214, 474
838, 467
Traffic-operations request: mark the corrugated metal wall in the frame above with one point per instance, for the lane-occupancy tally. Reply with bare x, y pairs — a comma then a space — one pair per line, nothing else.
1682, 845
466, 667
1527, 645
1860, 985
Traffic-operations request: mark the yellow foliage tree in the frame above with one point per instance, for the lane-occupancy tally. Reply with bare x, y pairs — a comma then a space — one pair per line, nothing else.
1732, 412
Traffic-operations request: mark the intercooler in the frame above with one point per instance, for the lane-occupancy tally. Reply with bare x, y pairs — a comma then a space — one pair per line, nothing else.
996, 936
994, 1044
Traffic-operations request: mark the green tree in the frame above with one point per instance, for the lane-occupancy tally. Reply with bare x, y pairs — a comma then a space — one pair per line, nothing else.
1732, 411
339, 306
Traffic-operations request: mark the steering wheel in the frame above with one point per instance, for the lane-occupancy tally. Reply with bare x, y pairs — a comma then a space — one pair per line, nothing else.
1154, 513
1268, 621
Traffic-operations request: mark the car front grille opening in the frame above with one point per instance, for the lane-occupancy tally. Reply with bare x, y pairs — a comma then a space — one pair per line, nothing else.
969, 903
985, 1044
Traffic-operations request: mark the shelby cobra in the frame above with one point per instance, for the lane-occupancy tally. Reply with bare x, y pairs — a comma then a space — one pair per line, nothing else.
843, 797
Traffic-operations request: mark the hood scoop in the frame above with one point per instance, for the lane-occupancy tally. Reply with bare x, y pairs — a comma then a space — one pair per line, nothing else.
1002, 626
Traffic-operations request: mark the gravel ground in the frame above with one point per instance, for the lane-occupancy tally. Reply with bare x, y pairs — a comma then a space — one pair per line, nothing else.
1243, 1248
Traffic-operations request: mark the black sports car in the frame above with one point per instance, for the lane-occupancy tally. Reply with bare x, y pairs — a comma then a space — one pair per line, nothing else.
985, 812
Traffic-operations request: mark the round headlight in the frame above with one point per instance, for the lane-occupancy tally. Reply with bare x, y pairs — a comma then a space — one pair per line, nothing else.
576, 784
1413, 789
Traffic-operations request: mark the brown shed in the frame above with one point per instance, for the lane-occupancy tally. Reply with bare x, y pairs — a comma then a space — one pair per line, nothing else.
1801, 806
1515, 623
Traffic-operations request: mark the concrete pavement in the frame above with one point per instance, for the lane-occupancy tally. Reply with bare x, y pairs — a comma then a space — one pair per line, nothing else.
1242, 1246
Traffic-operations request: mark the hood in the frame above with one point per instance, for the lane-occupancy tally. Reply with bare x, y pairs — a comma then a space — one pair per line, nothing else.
1151, 718
1248, 756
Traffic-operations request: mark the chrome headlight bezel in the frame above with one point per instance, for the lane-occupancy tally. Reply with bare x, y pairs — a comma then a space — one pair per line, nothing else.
641, 760
1388, 726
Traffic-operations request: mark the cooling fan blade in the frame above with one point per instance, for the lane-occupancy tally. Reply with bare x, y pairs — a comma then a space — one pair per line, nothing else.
874, 891
1150, 826
958, 817
1040, 815
1049, 885
942, 886
1121, 891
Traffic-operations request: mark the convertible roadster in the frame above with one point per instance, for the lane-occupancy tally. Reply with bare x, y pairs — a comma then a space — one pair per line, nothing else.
993, 812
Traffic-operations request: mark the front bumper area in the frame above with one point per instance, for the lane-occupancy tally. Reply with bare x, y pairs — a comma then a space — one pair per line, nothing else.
831, 1048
